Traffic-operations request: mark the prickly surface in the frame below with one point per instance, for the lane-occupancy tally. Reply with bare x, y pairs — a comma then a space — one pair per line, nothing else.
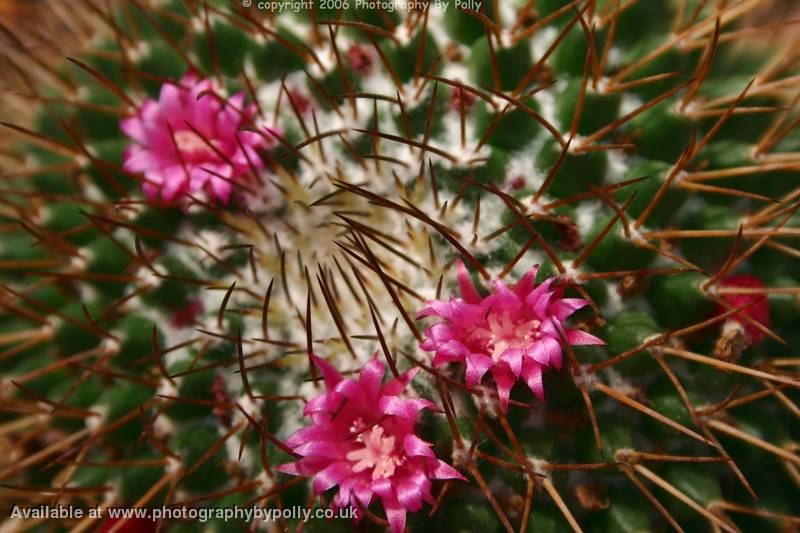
160, 354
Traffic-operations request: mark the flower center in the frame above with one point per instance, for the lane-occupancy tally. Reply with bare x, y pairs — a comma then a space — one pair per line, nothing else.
503, 333
188, 142
376, 454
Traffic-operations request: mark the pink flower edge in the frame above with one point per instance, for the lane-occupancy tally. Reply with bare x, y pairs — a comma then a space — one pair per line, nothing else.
362, 440
189, 141
754, 306
515, 333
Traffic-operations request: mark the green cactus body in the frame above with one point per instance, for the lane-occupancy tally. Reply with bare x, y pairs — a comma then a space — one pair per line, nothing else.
159, 325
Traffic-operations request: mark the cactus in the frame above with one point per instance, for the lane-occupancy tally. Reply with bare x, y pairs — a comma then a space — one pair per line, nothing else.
220, 216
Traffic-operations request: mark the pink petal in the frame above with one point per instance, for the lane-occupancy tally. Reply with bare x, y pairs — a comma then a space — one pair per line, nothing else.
502, 298
415, 446
545, 351
200, 177
133, 128
513, 357
220, 189
477, 365
150, 190
451, 350
526, 282
533, 298
454, 310
343, 496
352, 390
138, 159
245, 156
319, 450
439, 333
150, 113
551, 327
581, 338
324, 403
155, 177
170, 101
396, 385
289, 468
363, 493
540, 308
174, 183
331, 476
303, 435
504, 380
394, 405
371, 376
468, 291
566, 306
396, 516
236, 104
383, 488
409, 496
428, 345
445, 471
331, 375
533, 377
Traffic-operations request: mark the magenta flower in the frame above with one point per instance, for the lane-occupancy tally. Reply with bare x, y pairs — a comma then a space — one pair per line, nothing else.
362, 439
189, 141
516, 332
360, 59
754, 306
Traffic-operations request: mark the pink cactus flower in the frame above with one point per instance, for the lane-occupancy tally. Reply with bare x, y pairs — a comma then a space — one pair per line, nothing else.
300, 101
461, 97
362, 440
186, 142
757, 306
360, 59
186, 315
515, 332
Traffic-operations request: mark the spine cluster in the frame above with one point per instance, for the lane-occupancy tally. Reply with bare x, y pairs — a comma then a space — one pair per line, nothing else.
497, 266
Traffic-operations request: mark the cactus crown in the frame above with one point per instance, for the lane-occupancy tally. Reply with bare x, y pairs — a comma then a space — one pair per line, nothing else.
217, 209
